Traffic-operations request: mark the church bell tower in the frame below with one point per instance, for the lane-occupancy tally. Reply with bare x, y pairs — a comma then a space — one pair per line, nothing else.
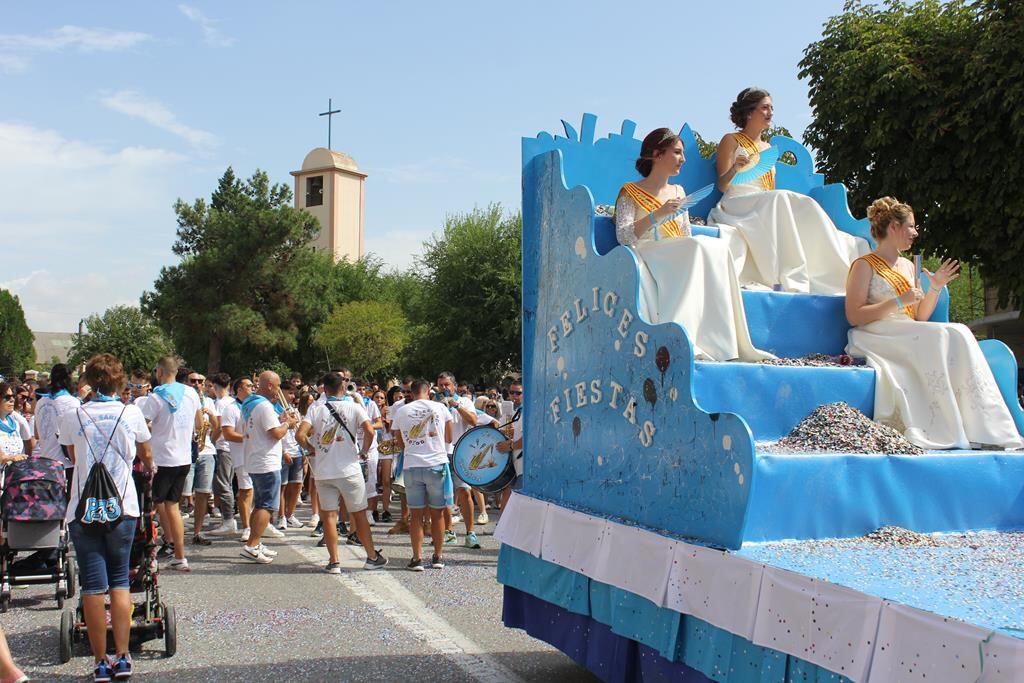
331, 187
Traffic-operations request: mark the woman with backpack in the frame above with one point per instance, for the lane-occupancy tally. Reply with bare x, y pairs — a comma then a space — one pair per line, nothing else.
104, 437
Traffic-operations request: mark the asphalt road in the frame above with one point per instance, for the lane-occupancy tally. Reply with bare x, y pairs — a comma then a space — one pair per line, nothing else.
289, 621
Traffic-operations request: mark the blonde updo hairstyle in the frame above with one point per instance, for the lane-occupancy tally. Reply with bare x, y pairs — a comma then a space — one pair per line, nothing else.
884, 211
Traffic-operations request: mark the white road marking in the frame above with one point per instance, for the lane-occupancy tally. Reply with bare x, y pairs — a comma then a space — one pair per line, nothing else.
403, 608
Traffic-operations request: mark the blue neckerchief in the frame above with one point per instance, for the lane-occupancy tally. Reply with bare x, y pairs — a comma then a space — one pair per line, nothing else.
101, 398
249, 405
172, 393
339, 398
278, 408
8, 425
62, 392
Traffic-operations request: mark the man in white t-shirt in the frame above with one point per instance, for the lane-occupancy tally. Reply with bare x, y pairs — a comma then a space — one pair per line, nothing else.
173, 411
263, 430
222, 489
50, 408
206, 460
231, 431
338, 436
515, 444
463, 419
423, 428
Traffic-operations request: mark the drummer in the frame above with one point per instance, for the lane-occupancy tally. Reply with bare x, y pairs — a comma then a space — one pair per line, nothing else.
515, 394
463, 419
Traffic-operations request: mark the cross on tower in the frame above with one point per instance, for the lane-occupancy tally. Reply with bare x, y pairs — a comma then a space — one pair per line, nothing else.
329, 114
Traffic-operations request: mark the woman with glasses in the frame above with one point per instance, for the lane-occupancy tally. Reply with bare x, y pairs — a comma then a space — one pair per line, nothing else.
932, 381
16, 440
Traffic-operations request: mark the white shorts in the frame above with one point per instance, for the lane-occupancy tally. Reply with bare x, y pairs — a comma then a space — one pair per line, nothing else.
371, 474
244, 480
351, 488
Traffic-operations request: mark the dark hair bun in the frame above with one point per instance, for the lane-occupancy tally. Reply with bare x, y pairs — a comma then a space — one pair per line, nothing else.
746, 102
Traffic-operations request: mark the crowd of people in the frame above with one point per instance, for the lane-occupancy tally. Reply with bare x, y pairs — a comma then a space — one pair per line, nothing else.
233, 458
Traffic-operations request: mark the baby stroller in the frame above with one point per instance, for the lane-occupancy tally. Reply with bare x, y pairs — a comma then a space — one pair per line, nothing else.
151, 618
32, 508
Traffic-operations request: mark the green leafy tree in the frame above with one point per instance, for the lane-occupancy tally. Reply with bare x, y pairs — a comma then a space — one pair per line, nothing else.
234, 292
370, 336
468, 307
124, 331
707, 149
16, 350
925, 102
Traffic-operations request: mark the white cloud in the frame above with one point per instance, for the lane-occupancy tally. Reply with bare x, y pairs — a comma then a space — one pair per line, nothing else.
13, 64
153, 112
85, 225
398, 248
74, 37
211, 34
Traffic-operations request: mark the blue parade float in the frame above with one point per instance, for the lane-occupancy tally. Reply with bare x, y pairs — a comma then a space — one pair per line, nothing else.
653, 541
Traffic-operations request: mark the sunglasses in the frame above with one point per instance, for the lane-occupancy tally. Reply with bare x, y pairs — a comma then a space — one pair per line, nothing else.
515, 393
197, 380
489, 406
7, 397
133, 385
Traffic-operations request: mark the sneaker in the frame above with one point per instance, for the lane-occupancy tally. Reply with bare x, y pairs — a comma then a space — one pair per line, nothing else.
314, 520
282, 523
228, 526
255, 555
456, 517
271, 532
294, 523
318, 530
471, 541
199, 539
179, 565
333, 568
267, 551
353, 539
386, 517
217, 514
166, 550
415, 565
482, 518
376, 516
103, 672
450, 537
123, 667
400, 527
321, 542
371, 518
185, 514
342, 529
437, 562
378, 562
244, 538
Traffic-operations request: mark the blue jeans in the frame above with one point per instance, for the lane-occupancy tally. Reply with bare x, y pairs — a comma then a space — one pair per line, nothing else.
266, 490
292, 474
103, 559
203, 473
428, 487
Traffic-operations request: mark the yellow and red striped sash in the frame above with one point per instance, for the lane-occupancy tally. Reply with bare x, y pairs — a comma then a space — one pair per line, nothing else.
649, 203
890, 275
750, 147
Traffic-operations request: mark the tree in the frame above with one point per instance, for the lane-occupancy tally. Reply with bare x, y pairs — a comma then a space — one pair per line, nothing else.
234, 289
124, 331
925, 102
16, 339
708, 148
470, 296
368, 335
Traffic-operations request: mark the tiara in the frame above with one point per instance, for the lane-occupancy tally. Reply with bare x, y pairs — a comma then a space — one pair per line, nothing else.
667, 136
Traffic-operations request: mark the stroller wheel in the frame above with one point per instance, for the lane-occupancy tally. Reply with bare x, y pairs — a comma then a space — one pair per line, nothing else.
5, 601
170, 632
67, 628
61, 594
71, 570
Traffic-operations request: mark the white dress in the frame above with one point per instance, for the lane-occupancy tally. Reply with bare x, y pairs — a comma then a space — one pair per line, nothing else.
692, 281
931, 380
778, 237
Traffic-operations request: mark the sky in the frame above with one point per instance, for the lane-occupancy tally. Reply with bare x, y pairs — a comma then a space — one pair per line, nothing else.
110, 111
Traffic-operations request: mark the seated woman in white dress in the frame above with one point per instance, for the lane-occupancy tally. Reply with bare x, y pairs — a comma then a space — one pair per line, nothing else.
780, 239
689, 280
931, 380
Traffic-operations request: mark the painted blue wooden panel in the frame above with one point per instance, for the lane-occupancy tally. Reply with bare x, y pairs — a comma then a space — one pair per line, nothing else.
610, 421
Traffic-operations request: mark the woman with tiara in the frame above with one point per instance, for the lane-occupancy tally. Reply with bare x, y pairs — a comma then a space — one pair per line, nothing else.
931, 380
688, 280
778, 238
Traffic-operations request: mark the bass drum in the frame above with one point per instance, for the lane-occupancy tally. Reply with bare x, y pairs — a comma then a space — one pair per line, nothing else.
478, 462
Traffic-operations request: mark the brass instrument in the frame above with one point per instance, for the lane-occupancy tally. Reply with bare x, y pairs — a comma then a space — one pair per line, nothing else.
388, 447
204, 429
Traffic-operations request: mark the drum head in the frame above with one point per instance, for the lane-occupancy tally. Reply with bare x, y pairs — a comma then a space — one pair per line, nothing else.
478, 462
